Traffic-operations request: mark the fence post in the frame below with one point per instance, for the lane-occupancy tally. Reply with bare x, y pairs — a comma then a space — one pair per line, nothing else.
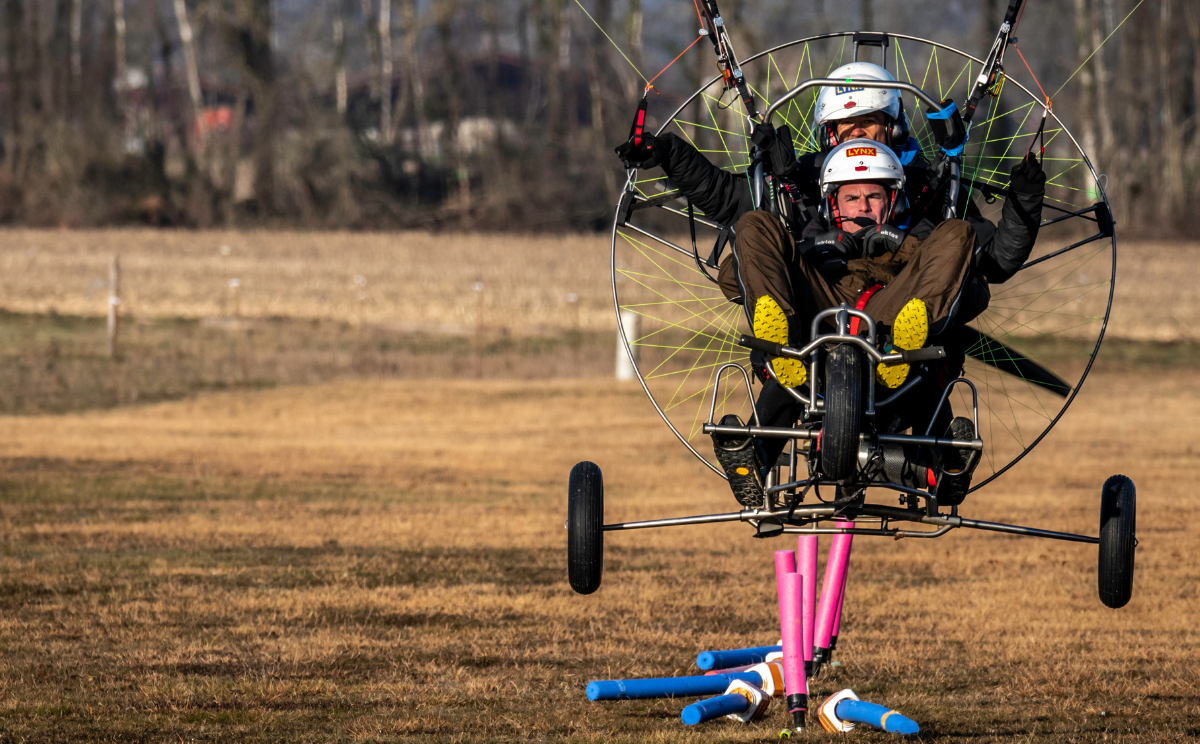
626, 369
114, 299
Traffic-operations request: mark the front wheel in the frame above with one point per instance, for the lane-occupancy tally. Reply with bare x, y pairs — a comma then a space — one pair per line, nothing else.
1118, 522
843, 412
585, 527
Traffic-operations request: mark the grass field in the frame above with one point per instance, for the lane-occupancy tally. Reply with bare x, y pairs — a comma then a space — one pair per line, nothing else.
313, 523
423, 281
385, 560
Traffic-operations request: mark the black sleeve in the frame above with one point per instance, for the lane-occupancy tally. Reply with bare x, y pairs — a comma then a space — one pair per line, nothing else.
1013, 238
722, 196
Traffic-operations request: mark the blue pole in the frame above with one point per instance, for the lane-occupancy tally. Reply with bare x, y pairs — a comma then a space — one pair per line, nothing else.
717, 707
736, 657
859, 711
634, 689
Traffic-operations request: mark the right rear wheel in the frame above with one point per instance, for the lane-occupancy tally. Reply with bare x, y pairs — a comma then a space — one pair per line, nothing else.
585, 527
843, 412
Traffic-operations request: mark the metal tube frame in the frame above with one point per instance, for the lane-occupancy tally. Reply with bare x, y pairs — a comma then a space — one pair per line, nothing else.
810, 516
831, 83
629, 186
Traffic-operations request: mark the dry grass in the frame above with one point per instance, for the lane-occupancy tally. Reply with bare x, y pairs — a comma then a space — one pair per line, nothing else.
411, 279
423, 280
385, 560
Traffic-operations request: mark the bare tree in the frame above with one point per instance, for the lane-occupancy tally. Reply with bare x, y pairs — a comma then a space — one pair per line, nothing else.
1171, 202
385, 71
339, 60
411, 22
15, 17
372, 18
188, 41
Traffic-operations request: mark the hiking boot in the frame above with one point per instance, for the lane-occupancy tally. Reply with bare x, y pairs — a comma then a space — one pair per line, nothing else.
771, 324
910, 331
739, 459
957, 464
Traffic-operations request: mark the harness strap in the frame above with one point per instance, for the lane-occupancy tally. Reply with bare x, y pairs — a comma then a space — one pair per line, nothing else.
863, 299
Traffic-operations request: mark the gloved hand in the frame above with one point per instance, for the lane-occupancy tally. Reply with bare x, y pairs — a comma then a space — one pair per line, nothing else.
647, 153
830, 251
1028, 177
777, 145
880, 239
949, 131
875, 239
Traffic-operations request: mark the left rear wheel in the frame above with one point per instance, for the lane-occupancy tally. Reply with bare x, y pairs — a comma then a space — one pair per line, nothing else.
1118, 528
585, 527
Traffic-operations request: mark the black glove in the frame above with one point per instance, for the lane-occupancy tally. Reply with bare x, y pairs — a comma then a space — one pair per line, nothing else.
830, 251
879, 239
647, 153
949, 133
777, 145
1027, 177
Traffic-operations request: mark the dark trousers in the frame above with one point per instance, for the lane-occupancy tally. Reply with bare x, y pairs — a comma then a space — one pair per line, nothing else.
932, 269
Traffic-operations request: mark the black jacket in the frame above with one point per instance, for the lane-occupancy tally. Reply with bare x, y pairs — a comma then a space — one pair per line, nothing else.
724, 196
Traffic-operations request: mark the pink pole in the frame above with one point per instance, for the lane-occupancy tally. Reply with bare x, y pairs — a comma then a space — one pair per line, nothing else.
791, 623
785, 563
807, 567
831, 591
837, 617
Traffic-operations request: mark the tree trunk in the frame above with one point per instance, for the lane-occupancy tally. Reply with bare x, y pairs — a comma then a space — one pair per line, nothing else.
121, 76
339, 62
446, 11
193, 71
555, 119
1087, 93
1101, 24
77, 46
596, 93
412, 68
633, 27
60, 58
372, 19
15, 17
253, 34
385, 72
1172, 193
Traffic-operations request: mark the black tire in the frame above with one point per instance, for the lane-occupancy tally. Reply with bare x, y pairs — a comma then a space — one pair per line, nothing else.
585, 527
1118, 525
843, 412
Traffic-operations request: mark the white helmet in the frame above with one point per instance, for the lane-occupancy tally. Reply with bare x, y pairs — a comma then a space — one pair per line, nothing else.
844, 101
863, 160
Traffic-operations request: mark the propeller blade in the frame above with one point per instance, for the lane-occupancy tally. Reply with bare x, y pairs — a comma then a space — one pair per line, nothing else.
1007, 359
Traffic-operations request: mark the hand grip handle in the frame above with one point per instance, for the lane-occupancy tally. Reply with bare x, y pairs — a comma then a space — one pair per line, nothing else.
928, 354
767, 347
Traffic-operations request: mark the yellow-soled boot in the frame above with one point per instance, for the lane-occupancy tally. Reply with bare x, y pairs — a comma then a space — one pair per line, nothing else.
771, 324
910, 331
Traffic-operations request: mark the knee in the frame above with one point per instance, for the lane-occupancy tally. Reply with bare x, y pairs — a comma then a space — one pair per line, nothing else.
758, 222
759, 231
958, 235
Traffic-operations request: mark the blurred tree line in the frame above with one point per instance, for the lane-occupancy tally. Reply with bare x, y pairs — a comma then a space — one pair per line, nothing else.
496, 114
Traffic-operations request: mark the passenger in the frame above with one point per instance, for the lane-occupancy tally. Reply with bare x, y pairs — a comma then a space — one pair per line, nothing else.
933, 272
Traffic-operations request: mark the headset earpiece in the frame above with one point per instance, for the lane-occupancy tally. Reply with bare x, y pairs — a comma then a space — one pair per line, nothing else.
826, 211
825, 137
900, 210
898, 131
